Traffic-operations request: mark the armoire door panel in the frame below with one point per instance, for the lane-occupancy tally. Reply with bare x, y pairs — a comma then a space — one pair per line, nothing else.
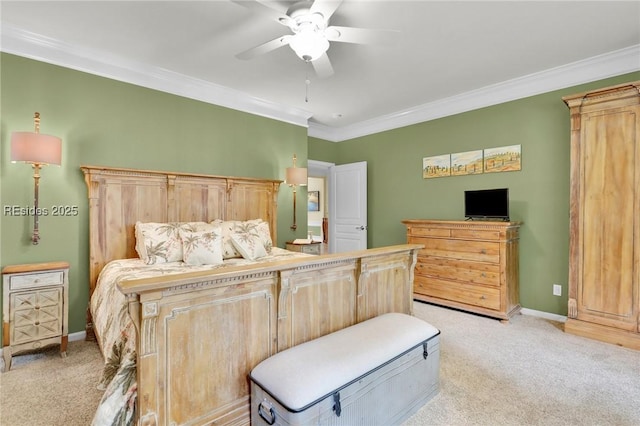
607, 216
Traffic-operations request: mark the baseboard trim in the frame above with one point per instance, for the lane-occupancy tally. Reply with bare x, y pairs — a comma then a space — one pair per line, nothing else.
542, 314
80, 335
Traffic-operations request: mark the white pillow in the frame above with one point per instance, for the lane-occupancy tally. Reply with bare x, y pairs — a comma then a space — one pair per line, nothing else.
249, 245
158, 242
254, 226
202, 247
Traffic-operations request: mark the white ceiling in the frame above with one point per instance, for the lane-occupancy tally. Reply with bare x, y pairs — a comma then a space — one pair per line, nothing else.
447, 57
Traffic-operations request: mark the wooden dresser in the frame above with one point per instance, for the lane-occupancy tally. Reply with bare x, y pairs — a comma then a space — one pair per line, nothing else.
604, 244
469, 265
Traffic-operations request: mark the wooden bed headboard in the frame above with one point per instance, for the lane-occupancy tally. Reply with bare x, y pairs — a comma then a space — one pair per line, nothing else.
118, 198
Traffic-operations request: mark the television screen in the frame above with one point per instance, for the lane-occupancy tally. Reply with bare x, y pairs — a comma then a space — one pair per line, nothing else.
487, 203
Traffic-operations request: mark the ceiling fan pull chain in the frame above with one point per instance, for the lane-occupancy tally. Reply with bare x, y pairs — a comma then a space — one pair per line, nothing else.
307, 82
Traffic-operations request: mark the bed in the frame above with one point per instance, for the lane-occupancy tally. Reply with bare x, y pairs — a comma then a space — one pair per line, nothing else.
192, 333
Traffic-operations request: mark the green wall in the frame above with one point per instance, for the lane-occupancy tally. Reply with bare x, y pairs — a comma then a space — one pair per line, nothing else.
110, 123
539, 193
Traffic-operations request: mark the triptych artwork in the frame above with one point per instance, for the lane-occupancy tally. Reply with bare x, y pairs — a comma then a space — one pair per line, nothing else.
489, 160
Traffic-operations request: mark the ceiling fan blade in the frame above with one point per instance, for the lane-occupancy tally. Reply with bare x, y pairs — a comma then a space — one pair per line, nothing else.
263, 9
322, 66
264, 48
360, 35
325, 7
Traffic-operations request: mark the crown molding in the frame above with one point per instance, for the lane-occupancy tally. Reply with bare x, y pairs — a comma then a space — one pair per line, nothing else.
45, 49
599, 67
17, 41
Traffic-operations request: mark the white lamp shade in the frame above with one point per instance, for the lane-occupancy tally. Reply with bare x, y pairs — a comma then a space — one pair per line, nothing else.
36, 148
296, 176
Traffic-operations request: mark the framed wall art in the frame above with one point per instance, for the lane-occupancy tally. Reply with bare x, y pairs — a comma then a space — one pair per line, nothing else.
313, 203
502, 159
466, 163
436, 166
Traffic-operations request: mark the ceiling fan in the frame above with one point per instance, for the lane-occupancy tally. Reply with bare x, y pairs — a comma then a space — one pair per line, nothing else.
311, 33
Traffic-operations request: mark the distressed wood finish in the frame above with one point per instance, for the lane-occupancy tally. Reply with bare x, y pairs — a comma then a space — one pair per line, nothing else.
201, 333
469, 265
604, 257
35, 310
120, 197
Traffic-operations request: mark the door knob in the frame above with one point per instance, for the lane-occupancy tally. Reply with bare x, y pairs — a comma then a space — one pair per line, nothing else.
361, 227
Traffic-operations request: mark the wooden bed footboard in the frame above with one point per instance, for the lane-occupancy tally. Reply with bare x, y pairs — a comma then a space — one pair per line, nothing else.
200, 334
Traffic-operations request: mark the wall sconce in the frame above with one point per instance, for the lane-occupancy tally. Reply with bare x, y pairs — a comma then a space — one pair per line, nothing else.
296, 176
38, 150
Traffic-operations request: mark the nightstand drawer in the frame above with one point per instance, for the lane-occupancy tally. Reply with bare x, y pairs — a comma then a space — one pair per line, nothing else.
36, 299
313, 248
43, 279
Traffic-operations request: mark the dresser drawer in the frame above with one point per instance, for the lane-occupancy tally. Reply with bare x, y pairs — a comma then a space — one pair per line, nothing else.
475, 234
459, 270
420, 231
479, 251
31, 280
485, 297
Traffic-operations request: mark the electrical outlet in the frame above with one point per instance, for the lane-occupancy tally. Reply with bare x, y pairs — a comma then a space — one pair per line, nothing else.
557, 290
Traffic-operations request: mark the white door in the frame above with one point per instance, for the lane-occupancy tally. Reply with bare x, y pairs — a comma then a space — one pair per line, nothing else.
348, 207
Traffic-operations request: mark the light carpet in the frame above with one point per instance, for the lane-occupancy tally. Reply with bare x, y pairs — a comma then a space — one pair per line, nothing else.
527, 372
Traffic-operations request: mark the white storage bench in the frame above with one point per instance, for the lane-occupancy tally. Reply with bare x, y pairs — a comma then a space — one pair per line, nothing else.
377, 372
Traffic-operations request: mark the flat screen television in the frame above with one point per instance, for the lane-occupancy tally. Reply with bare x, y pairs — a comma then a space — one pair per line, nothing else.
487, 204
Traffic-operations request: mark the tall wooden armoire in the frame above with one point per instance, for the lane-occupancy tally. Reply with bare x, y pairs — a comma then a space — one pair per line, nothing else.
604, 249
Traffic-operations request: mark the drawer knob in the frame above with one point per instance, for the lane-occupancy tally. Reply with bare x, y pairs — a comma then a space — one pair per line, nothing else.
482, 297
36, 307
37, 323
483, 251
37, 280
483, 275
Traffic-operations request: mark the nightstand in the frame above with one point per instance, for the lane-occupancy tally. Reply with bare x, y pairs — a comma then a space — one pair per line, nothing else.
35, 308
310, 248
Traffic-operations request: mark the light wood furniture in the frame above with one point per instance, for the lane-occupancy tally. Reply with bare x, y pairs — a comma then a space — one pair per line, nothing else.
200, 334
604, 250
311, 248
35, 308
469, 265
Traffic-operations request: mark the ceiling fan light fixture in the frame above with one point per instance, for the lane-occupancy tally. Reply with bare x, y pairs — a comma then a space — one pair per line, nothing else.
309, 45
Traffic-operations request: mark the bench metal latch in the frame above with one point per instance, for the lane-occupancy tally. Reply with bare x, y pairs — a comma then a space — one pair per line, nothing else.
336, 404
425, 352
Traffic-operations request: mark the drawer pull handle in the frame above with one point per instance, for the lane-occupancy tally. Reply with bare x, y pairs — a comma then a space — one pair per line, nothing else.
37, 280
36, 307
270, 417
483, 251
37, 323
482, 297
483, 275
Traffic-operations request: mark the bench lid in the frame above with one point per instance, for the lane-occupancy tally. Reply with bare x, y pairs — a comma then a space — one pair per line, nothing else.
307, 373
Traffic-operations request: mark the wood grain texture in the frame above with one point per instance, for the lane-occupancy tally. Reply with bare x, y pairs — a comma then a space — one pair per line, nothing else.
469, 265
199, 334
604, 257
